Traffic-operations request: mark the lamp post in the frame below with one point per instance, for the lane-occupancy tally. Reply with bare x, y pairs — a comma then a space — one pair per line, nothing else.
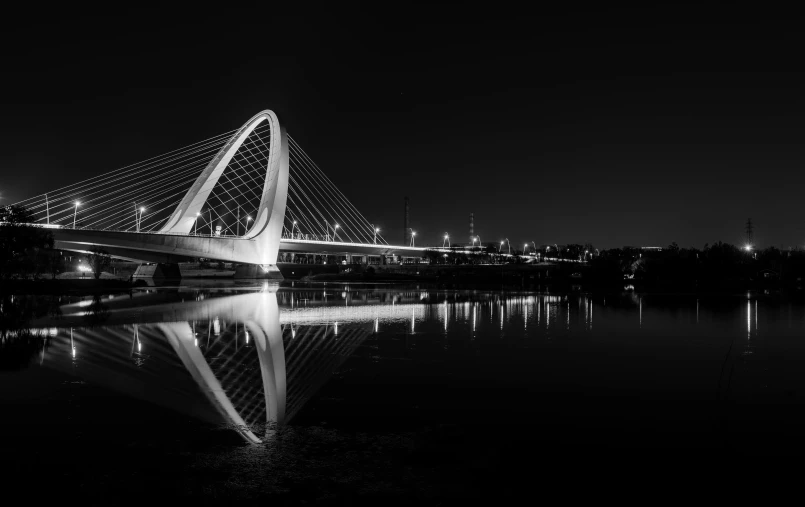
211, 233
479, 240
248, 219
500, 247
141, 219
75, 212
195, 224
413, 235
525, 248
446, 240
377, 229
335, 232
293, 226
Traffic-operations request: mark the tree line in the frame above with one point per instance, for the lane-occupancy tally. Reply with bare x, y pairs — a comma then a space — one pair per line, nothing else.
27, 251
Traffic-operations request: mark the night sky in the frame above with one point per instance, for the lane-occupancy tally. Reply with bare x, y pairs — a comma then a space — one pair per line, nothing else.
615, 127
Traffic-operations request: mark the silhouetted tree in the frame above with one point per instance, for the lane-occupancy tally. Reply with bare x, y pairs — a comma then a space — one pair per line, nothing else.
98, 260
21, 245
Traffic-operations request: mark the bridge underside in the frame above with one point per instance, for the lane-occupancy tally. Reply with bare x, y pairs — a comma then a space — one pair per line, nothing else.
168, 248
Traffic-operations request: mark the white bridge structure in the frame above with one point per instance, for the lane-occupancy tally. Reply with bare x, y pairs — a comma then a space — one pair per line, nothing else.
242, 196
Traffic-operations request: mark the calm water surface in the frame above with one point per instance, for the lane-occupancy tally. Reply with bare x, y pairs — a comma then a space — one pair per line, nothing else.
337, 393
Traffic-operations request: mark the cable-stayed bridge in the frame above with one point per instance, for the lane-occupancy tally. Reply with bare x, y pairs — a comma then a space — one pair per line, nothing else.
241, 196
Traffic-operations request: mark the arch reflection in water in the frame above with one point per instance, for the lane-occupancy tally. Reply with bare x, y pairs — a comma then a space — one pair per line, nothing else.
254, 368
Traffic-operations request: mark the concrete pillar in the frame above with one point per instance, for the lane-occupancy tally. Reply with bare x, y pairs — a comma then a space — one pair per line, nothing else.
161, 270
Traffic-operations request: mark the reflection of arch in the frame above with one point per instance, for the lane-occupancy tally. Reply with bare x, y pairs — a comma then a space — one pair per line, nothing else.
180, 336
262, 321
267, 227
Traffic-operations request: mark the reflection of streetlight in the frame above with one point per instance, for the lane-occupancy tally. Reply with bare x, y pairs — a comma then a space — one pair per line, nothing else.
75, 212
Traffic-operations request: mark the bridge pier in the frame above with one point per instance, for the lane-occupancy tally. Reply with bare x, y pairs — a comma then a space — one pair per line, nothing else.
160, 270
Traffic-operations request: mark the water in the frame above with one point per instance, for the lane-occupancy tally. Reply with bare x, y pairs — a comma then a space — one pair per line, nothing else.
338, 393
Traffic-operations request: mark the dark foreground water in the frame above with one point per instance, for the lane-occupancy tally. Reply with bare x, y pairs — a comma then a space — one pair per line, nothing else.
392, 395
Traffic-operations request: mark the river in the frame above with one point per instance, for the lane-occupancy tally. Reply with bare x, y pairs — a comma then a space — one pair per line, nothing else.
338, 393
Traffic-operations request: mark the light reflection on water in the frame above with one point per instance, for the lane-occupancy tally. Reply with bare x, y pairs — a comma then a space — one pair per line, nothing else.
253, 359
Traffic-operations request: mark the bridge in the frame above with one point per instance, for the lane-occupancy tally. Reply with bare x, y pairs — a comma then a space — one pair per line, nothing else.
242, 196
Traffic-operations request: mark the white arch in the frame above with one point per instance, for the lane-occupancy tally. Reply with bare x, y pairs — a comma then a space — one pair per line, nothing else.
271, 213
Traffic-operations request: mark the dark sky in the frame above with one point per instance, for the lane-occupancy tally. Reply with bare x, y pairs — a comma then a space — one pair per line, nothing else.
616, 127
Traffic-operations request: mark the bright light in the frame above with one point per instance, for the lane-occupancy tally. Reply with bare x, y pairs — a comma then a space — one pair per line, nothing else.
748, 247
337, 226
142, 209
377, 229
294, 222
77, 203
446, 236
249, 218
413, 234
84, 268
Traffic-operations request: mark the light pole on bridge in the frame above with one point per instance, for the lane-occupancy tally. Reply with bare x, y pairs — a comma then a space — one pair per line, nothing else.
446, 240
377, 229
75, 212
413, 235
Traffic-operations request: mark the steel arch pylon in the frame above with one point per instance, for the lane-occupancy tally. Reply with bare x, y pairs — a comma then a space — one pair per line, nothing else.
266, 229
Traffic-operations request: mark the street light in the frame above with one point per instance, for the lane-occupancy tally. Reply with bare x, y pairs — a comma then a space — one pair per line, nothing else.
335, 232
413, 235
500, 247
75, 212
293, 226
377, 229
525, 248
446, 240
141, 219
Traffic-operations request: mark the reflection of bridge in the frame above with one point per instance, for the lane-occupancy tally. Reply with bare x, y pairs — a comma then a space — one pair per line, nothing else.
251, 192
253, 371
